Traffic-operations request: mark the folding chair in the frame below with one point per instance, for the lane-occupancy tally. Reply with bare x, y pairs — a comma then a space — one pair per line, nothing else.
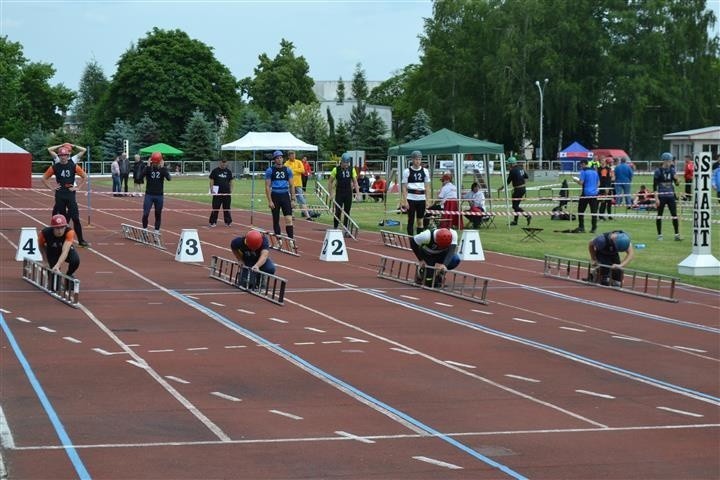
532, 233
451, 220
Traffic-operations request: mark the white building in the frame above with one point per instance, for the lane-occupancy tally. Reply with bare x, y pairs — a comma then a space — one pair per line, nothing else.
326, 91
694, 141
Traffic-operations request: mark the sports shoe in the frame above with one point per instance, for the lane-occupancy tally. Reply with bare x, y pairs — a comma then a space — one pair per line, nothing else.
579, 230
659, 237
228, 224
513, 223
83, 243
528, 218
314, 214
677, 237
616, 283
309, 219
212, 225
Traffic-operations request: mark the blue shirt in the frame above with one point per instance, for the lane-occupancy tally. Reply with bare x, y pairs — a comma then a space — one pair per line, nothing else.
716, 179
590, 181
250, 257
280, 178
623, 173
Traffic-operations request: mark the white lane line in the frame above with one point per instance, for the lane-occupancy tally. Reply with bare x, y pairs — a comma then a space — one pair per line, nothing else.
331, 341
6, 438
177, 379
103, 272
24, 320
629, 339
278, 320
192, 349
354, 437
443, 304
350, 285
304, 343
681, 412
245, 311
166, 350
573, 329
481, 311
190, 296
226, 397
106, 353
317, 330
235, 346
595, 394
217, 304
524, 379
285, 414
451, 466
4, 311
458, 364
133, 344
72, 339
402, 350
155, 303
689, 349
524, 320
144, 366
409, 297
47, 329
355, 340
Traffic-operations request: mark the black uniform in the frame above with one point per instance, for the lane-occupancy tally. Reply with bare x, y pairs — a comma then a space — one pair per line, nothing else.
343, 193
517, 177
53, 248
222, 178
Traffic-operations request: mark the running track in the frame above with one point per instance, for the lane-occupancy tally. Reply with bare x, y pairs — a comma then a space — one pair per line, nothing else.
164, 373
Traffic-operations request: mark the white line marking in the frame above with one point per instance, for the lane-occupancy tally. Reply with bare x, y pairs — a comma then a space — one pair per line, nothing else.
4, 311
24, 320
106, 353
451, 466
226, 397
402, 350
155, 303
285, 414
481, 311
524, 320
235, 346
314, 330
176, 379
278, 320
245, 311
354, 437
192, 349
681, 412
133, 344
217, 304
573, 329
6, 438
304, 343
166, 350
409, 297
525, 379
144, 366
629, 339
458, 364
72, 339
47, 329
103, 273
350, 285
332, 341
190, 296
595, 394
689, 349
443, 304
355, 340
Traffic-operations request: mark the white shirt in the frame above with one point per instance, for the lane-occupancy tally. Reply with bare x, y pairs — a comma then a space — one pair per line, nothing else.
424, 239
477, 199
448, 190
417, 186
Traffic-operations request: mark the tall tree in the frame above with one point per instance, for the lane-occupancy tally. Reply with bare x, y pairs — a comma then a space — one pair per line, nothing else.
340, 92
93, 85
147, 133
342, 138
420, 126
250, 121
375, 136
394, 92
357, 123
307, 123
199, 143
280, 82
359, 84
112, 142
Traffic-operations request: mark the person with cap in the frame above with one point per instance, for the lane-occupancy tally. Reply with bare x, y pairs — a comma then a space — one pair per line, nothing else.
447, 191
280, 194
56, 245
435, 249
517, 176
253, 251
155, 175
589, 180
607, 178
341, 185
415, 184
221, 183
664, 181
65, 173
298, 170
604, 250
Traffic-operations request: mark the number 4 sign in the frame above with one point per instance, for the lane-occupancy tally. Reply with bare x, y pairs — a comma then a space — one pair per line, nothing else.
333, 249
471, 247
28, 245
188, 249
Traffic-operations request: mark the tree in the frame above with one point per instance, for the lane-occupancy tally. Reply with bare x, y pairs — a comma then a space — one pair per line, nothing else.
169, 75
147, 133
340, 92
250, 121
276, 124
37, 144
394, 92
199, 138
342, 138
307, 123
93, 85
357, 122
280, 82
112, 142
420, 126
374, 141
359, 84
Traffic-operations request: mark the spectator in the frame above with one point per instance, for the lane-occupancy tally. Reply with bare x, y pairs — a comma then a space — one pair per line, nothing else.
138, 180
607, 178
56, 245
363, 185
447, 191
377, 189
664, 181
415, 183
623, 182
517, 177
124, 164
298, 170
476, 198
155, 174
253, 251
716, 179
605, 257
280, 194
342, 183
688, 173
644, 197
308, 172
221, 185
115, 174
589, 181
435, 249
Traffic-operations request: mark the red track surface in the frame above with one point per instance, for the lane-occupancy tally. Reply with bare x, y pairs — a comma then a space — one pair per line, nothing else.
348, 379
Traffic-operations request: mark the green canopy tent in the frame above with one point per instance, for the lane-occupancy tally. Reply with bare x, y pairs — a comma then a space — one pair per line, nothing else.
444, 142
163, 148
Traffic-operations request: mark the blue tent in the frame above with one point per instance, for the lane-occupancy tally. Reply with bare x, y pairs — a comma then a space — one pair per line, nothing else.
571, 154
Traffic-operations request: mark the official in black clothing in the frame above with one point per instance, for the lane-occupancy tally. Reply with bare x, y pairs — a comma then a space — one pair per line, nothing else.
516, 177
342, 183
155, 175
221, 189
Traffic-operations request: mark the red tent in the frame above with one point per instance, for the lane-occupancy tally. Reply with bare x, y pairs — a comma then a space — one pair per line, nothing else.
601, 153
16, 165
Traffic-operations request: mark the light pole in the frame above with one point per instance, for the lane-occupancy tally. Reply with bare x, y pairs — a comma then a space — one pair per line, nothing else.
540, 89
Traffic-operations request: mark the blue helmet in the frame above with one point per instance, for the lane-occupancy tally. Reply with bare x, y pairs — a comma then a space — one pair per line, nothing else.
666, 157
622, 241
346, 157
277, 153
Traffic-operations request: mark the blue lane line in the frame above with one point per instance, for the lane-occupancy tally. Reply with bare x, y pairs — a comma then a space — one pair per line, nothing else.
54, 419
550, 348
262, 341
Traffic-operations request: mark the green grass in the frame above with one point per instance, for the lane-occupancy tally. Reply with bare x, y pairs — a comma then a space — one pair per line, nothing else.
658, 256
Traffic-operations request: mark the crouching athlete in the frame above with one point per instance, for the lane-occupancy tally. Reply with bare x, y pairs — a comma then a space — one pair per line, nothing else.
253, 251
605, 257
436, 249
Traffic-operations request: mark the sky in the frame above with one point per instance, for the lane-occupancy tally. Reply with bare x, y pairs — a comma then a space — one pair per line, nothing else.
333, 36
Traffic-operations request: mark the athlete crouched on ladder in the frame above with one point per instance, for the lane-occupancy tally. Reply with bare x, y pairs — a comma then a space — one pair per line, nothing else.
253, 251
606, 267
56, 245
435, 249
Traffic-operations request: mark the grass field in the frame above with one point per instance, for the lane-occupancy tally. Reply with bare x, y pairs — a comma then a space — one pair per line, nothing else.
657, 257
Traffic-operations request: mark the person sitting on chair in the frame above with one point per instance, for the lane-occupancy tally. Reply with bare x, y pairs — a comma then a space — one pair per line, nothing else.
447, 191
377, 189
476, 197
253, 251
435, 249
605, 257
644, 198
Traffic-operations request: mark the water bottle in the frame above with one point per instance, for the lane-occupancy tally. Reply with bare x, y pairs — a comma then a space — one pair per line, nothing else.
639, 245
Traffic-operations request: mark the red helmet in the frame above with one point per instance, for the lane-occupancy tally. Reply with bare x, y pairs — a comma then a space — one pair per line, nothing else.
443, 237
254, 240
156, 157
58, 221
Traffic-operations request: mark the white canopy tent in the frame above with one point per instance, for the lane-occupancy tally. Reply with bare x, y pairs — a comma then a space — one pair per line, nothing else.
262, 141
